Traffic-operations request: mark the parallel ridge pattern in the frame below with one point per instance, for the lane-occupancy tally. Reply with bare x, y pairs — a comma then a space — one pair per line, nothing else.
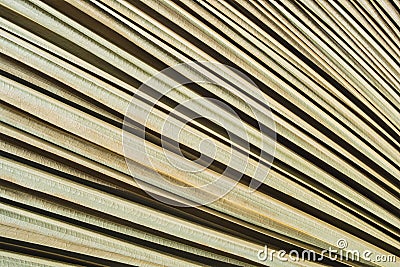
329, 70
